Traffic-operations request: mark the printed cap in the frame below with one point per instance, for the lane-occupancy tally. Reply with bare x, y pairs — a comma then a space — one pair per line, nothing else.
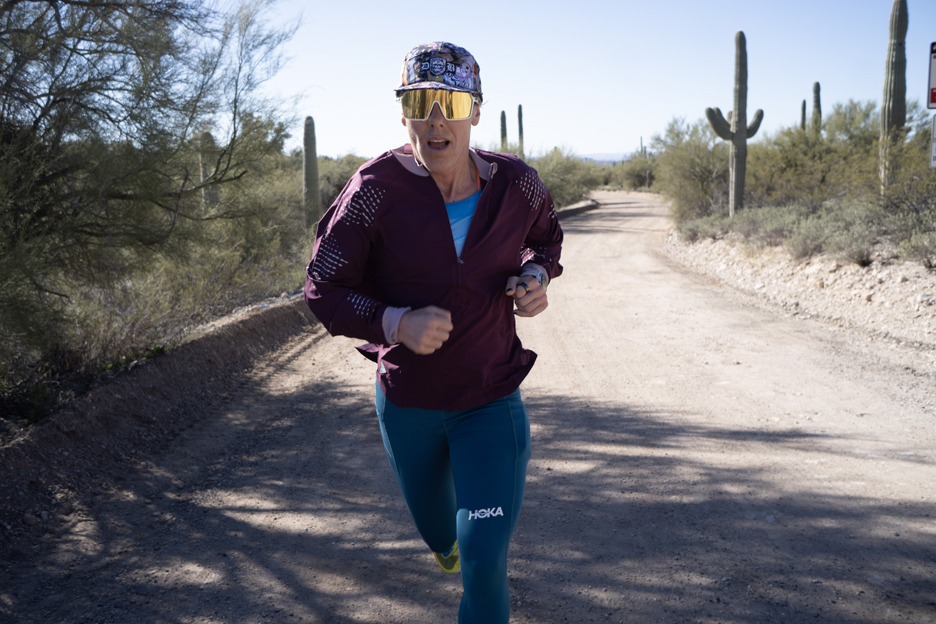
441, 65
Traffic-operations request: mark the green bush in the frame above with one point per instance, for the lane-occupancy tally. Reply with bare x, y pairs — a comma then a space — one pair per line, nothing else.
498, 148
636, 173
799, 167
334, 174
808, 238
712, 227
920, 247
769, 226
853, 229
568, 177
251, 245
848, 228
912, 184
692, 169
916, 234
111, 179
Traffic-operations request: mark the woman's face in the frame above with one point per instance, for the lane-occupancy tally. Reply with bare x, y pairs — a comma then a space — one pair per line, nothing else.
442, 145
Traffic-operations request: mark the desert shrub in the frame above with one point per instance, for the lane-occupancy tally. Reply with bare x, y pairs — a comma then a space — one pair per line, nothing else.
334, 173
246, 262
854, 124
853, 231
568, 177
915, 235
920, 247
497, 148
854, 245
798, 167
712, 226
691, 169
108, 173
770, 225
791, 167
808, 238
911, 187
249, 245
848, 228
637, 172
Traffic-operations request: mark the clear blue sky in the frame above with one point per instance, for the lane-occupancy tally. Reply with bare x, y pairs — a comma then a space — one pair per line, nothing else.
593, 77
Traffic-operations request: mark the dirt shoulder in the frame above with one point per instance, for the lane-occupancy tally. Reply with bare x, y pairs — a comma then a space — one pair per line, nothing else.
887, 300
700, 454
52, 468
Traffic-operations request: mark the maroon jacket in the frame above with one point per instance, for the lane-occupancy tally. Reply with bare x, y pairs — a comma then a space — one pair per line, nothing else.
387, 241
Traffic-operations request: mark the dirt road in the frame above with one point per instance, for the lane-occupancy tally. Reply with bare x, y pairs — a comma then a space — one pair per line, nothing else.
696, 458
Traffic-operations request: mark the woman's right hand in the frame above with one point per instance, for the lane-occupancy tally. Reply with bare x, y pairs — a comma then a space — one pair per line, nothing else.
424, 330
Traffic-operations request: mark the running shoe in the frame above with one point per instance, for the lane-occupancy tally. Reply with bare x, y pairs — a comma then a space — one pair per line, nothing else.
448, 561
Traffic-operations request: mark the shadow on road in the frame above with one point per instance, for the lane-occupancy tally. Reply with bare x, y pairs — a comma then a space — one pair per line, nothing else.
619, 524
604, 219
296, 518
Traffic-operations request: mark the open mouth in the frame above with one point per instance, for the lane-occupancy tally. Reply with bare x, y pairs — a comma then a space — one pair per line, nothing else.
438, 144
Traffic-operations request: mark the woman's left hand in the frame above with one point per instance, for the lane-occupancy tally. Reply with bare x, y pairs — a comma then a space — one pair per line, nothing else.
527, 293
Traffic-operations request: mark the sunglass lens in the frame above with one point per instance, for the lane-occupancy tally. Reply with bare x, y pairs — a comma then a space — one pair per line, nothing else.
460, 105
455, 105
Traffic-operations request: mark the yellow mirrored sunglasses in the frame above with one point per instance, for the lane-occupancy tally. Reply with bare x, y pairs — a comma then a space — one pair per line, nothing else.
455, 105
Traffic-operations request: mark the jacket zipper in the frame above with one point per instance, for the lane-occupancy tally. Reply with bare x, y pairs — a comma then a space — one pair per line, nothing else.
460, 264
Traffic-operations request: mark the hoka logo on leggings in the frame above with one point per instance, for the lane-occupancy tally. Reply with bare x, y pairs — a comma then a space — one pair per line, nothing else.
485, 513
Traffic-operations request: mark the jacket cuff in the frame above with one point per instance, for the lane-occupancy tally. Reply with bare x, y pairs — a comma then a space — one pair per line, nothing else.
391, 323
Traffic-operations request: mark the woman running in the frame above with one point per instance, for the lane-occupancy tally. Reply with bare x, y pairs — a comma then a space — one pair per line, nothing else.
429, 254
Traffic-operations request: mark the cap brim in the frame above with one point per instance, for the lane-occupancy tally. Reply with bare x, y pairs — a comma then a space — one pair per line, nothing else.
433, 85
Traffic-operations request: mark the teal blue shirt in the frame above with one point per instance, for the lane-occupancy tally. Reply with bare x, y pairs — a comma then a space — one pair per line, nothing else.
460, 214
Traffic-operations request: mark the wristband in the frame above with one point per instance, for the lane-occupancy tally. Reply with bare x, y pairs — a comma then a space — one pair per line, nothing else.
539, 275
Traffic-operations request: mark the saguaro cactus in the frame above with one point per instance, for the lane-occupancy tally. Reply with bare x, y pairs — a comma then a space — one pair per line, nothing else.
802, 123
311, 198
503, 131
894, 102
815, 124
736, 129
520, 126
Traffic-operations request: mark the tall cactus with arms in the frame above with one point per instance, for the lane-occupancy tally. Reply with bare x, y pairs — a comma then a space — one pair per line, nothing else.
736, 130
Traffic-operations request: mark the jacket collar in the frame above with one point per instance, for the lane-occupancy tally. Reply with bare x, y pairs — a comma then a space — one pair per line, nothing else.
405, 157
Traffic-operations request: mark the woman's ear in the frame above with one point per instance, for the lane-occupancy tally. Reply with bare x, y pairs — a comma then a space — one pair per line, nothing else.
476, 114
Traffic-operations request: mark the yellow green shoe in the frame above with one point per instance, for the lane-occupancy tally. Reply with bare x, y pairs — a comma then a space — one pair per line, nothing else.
448, 561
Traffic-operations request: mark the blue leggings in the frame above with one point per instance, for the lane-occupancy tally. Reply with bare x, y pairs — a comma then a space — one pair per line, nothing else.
462, 474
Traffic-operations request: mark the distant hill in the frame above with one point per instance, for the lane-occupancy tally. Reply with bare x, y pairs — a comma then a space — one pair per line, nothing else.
606, 158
